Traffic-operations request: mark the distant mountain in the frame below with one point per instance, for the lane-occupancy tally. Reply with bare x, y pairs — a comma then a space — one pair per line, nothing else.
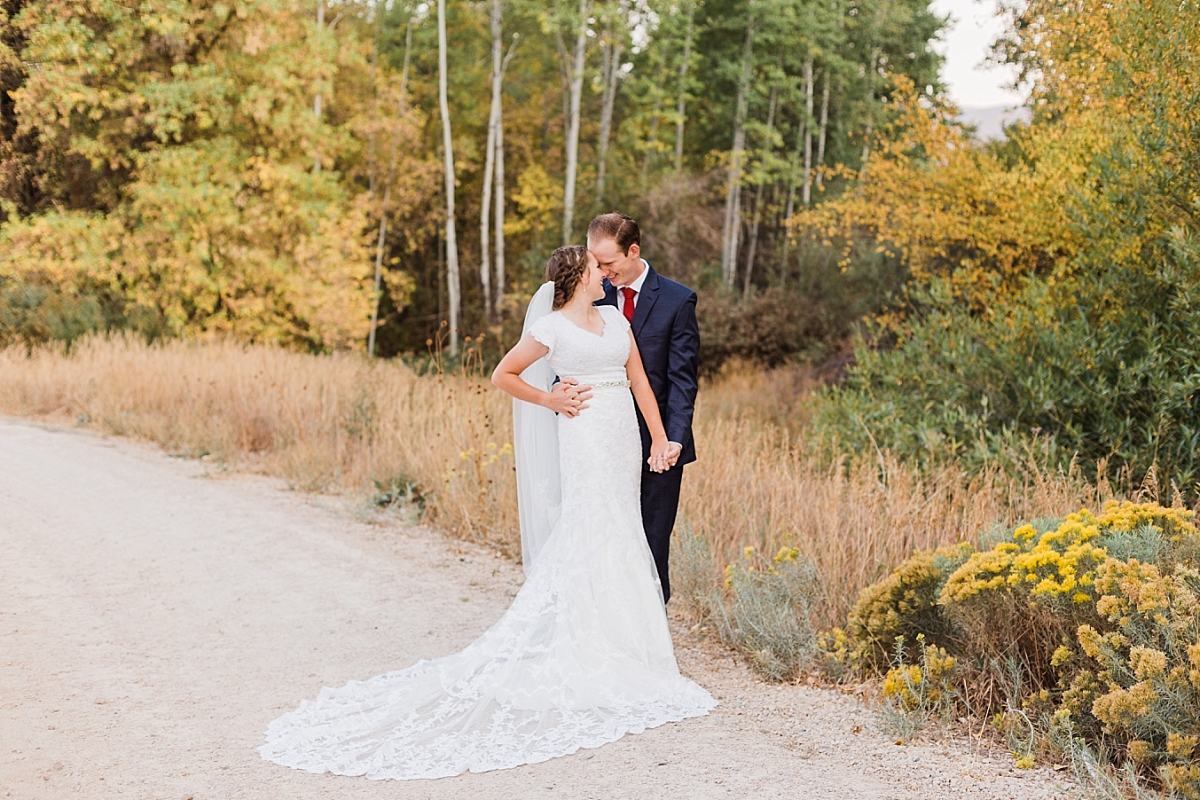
989, 121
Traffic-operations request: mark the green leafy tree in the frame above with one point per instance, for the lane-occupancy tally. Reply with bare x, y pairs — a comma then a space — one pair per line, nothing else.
1096, 351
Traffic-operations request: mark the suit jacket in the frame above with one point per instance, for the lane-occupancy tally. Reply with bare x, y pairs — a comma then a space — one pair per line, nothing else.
668, 338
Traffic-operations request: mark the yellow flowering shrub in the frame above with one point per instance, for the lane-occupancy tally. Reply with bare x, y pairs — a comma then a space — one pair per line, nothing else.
926, 685
1094, 619
1145, 669
1026, 597
904, 604
1061, 563
834, 653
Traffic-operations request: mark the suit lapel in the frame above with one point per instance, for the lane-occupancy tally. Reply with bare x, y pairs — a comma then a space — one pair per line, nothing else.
649, 294
610, 295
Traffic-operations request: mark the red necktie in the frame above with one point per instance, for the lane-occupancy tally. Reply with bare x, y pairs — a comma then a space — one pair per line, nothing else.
629, 293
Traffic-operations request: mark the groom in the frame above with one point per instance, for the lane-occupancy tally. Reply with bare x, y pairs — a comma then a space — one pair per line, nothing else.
663, 315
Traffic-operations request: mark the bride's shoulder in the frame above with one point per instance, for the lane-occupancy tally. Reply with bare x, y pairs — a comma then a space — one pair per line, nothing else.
612, 314
545, 328
549, 318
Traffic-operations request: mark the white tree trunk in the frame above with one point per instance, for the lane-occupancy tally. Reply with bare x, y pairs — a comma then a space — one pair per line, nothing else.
806, 197
573, 128
452, 276
498, 294
493, 172
822, 128
611, 73
485, 218
793, 168
733, 193
681, 106
387, 194
758, 195
485, 205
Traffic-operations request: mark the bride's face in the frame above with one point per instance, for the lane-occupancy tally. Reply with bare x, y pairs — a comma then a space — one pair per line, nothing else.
591, 282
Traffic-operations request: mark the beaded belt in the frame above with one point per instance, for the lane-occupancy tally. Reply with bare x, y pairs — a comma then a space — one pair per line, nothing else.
624, 384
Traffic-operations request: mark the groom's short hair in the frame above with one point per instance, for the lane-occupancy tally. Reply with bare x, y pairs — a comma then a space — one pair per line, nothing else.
618, 227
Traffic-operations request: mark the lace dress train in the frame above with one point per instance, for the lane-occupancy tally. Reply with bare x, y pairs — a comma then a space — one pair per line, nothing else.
581, 658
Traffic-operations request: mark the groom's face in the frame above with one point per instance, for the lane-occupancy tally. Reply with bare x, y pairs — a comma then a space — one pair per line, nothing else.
621, 269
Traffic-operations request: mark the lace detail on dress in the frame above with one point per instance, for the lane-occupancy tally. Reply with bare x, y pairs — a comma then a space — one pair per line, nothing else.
581, 658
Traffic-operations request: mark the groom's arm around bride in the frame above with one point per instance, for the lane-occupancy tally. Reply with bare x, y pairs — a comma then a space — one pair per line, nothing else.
662, 313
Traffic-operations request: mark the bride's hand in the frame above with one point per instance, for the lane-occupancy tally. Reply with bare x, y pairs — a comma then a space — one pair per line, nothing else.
658, 460
568, 398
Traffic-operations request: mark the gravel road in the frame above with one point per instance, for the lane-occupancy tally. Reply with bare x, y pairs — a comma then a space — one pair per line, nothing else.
155, 616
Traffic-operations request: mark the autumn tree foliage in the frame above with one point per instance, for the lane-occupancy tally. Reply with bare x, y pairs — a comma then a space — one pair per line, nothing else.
186, 167
1058, 273
167, 170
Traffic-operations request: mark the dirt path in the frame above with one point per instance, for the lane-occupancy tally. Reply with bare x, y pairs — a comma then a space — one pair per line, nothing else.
154, 618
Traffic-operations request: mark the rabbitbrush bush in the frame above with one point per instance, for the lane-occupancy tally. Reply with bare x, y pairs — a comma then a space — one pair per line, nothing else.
904, 606
1092, 621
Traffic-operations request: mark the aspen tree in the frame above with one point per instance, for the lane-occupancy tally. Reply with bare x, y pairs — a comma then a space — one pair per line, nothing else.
576, 98
613, 47
493, 171
452, 276
681, 104
733, 189
387, 193
758, 192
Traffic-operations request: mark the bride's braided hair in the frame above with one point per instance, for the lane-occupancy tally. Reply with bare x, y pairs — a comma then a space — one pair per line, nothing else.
565, 268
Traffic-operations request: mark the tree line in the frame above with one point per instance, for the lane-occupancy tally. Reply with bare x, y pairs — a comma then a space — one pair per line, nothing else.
360, 174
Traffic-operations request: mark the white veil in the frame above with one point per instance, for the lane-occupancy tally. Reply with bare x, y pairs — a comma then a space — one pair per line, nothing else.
535, 447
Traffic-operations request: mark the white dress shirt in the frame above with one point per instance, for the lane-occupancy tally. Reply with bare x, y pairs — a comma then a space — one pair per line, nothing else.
636, 286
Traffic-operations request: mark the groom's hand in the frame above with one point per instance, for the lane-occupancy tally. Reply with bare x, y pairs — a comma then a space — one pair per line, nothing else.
568, 398
674, 450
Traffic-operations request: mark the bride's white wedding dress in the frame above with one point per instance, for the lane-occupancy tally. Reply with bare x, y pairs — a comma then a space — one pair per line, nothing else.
582, 657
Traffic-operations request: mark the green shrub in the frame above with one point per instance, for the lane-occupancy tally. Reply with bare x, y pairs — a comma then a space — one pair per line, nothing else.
34, 314
693, 573
767, 612
1105, 374
769, 327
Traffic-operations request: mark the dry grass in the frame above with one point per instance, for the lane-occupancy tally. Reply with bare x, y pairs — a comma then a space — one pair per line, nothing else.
756, 484
341, 423
323, 423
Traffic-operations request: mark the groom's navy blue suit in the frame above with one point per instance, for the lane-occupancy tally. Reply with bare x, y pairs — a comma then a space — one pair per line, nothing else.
668, 338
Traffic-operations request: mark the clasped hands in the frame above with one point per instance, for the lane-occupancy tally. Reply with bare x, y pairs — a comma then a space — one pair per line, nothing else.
568, 398
663, 457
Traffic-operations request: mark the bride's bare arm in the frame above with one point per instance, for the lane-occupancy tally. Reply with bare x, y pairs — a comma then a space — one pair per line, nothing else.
643, 395
567, 398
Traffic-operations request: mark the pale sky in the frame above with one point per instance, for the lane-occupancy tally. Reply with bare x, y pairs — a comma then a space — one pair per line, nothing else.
973, 27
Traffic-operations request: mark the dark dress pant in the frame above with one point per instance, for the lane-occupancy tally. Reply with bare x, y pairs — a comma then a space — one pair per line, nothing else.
660, 504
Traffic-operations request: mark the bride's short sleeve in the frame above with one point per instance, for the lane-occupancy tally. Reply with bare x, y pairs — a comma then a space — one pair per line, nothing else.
544, 331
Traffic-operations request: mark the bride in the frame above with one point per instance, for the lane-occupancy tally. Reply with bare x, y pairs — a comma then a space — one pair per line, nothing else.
583, 656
